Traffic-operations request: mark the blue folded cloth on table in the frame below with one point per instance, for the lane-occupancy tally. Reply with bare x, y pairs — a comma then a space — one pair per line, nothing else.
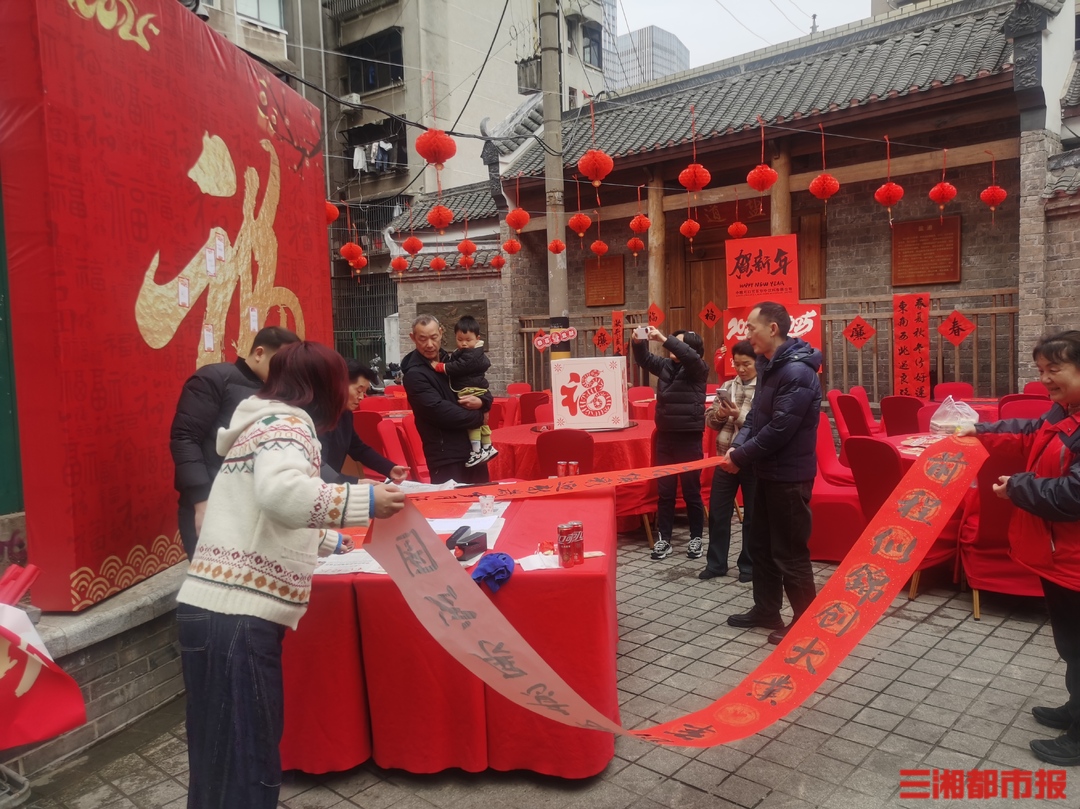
495, 569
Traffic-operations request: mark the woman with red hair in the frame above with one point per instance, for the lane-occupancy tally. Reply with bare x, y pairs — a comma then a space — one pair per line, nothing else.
267, 520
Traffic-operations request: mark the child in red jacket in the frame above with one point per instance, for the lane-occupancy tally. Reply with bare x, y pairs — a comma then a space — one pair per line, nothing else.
1045, 532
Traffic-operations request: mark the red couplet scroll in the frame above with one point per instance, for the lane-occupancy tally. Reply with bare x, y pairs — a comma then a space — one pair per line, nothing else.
465, 622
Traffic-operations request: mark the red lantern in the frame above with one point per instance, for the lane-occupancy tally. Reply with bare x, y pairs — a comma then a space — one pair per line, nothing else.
635, 245
412, 245
824, 186
694, 177
596, 165
358, 263
399, 263
511, 246
640, 224
517, 219
436, 147
557, 246
332, 213
761, 177
993, 196
689, 229
889, 194
498, 262
736, 230
466, 261
599, 247
579, 223
438, 264
350, 251
466, 247
942, 194
440, 218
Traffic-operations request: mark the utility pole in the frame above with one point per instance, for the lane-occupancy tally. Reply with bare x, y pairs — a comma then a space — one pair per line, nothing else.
551, 85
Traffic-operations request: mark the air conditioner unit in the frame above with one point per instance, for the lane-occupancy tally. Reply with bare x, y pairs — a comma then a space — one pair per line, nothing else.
351, 98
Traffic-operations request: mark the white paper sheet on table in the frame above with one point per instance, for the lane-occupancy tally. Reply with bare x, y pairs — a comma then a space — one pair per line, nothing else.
412, 487
451, 524
357, 561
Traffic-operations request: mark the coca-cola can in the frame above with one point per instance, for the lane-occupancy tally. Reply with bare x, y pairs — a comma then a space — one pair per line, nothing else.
573, 468
577, 542
560, 468
566, 546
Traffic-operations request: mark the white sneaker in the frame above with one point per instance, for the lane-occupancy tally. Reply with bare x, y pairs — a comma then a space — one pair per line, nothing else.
475, 457
693, 548
662, 549
488, 452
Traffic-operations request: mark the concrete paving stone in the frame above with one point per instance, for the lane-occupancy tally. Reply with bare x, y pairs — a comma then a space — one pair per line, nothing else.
702, 775
852, 693
942, 759
662, 760
987, 710
1006, 699
916, 729
966, 743
740, 791
664, 644
908, 691
673, 661
943, 699
778, 800
849, 751
863, 734
828, 769
779, 752
875, 718
318, 797
723, 756
92, 796
380, 795
646, 654
920, 679
953, 685
870, 682
902, 747
124, 803
845, 798
667, 713
935, 715
158, 795
688, 703
702, 670
896, 657
599, 795
677, 795
644, 707
764, 772
348, 783
814, 791
628, 665
637, 636
635, 684
646, 803
893, 704
637, 779
981, 727
1009, 756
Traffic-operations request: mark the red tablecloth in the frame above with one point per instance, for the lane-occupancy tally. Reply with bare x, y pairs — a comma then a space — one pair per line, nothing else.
426, 712
612, 450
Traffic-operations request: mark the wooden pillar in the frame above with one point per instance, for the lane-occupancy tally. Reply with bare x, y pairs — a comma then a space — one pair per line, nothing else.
781, 191
657, 243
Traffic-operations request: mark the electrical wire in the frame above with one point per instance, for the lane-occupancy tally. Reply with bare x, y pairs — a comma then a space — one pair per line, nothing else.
479, 73
633, 45
808, 16
786, 17
740, 22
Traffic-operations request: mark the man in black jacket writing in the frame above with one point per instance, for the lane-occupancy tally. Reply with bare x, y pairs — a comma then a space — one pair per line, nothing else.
778, 441
207, 402
442, 418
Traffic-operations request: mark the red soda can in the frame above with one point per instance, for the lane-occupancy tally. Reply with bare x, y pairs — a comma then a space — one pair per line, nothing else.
566, 547
560, 468
577, 542
572, 468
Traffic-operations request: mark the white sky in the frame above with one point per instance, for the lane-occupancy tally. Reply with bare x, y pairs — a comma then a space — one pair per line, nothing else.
712, 34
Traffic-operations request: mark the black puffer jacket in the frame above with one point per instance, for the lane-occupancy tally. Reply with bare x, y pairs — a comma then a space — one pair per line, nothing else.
779, 437
443, 424
466, 368
207, 402
680, 386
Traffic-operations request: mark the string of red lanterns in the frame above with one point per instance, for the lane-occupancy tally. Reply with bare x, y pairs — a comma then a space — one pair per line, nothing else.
890, 193
824, 185
944, 192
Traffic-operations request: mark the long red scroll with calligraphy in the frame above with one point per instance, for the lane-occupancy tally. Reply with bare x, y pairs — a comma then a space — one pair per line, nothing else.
468, 625
911, 345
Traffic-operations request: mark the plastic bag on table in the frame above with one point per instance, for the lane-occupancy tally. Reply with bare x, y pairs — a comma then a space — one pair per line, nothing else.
951, 416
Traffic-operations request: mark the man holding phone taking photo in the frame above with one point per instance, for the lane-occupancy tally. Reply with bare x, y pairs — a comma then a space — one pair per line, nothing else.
726, 416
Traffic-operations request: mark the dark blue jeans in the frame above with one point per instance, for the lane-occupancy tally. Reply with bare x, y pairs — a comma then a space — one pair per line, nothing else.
235, 711
673, 448
721, 507
779, 547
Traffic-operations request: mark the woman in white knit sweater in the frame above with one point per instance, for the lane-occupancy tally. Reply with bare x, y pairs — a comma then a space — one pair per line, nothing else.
268, 518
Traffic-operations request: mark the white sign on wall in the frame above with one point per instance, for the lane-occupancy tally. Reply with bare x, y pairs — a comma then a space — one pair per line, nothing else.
590, 393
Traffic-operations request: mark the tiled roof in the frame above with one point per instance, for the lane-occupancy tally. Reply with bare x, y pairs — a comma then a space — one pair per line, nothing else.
1063, 175
421, 264
520, 125
1072, 89
946, 44
473, 201
1052, 6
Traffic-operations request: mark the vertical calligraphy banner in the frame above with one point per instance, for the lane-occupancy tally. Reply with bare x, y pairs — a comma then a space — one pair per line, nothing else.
618, 340
911, 345
759, 270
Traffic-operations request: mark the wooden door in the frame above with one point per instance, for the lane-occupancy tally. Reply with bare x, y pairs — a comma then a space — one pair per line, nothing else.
707, 283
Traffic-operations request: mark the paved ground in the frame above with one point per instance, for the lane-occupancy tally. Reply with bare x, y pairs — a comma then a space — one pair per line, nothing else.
929, 688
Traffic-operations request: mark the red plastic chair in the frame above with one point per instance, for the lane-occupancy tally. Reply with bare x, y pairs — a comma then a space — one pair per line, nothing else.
564, 445
414, 449
529, 403
1025, 409
853, 415
366, 424
877, 468
545, 413
650, 410
1036, 387
1021, 397
829, 467
900, 414
957, 390
381, 404
926, 412
859, 392
511, 412
841, 426
496, 415
518, 388
394, 392
391, 441
837, 519
640, 392
984, 550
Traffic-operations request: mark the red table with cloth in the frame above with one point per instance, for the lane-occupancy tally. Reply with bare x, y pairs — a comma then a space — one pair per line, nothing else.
612, 450
409, 705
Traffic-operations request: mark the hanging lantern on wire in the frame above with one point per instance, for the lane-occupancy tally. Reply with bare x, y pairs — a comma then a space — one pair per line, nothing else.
689, 229
465, 261
599, 247
635, 245
579, 223
517, 219
497, 261
890, 193
824, 185
412, 245
942, 193
350, 251
640, 224
596, 164
736, 229
695, 176
358, 263
436, 147
466, 247
440, 218
556, 246
399, 263
993, 195
512, 246
762, 176
332, 213
438, 264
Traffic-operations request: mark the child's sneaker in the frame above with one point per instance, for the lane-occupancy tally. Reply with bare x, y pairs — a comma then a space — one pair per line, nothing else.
693, 548
475, 457
488, 452
662, 549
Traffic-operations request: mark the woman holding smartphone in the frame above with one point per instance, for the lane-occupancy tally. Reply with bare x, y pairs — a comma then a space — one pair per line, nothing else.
726, 416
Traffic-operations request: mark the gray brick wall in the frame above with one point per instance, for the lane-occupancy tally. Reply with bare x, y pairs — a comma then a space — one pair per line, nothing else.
1062, 276
122, 678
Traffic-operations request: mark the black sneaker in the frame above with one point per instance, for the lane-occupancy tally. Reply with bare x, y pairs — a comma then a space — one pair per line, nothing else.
777, 636
662, 549
1062, 751
1059, 718
746, 577
708, 573
752, 618
693, 548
